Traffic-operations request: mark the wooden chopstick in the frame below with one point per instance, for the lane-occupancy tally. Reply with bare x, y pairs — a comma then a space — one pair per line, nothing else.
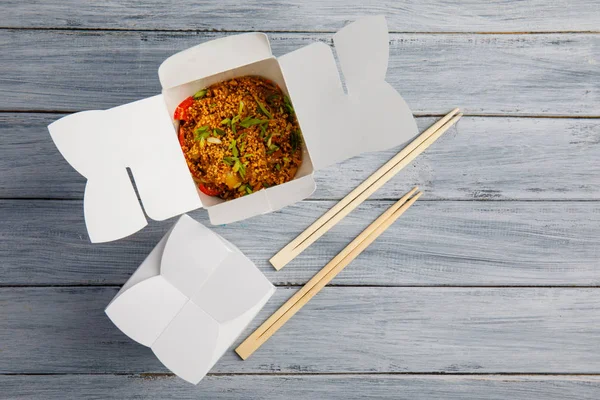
323, 277
339, 257
363, 191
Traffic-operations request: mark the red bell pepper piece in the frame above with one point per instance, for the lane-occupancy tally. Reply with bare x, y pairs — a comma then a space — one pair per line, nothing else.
181, 112
181, 138
207, 191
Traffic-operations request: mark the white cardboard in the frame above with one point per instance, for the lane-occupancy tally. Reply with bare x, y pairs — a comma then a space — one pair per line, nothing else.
100, 145
190, 299
336, 124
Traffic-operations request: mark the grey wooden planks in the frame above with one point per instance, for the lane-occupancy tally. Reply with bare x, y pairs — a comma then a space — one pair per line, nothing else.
434, 243
342, 330
303, 387
417, 330
546, 74
481, 159
276, 15
31, 164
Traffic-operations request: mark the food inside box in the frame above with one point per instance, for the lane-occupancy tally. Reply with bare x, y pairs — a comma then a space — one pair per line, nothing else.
239, 136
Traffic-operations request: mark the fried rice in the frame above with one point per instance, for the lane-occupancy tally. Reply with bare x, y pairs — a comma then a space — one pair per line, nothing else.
240, 136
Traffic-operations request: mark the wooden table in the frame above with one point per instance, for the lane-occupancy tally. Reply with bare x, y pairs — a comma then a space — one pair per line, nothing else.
487, 288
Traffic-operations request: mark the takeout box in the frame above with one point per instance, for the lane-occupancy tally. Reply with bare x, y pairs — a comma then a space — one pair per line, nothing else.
190, 299
336, 124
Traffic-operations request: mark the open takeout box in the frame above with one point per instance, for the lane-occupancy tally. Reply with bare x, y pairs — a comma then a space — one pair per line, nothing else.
336, 124
190, 299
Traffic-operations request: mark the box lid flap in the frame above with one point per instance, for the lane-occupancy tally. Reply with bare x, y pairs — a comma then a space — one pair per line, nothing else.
212, 57
242, 293
143, 311
187, 346
192, 253
371, 116
101, 145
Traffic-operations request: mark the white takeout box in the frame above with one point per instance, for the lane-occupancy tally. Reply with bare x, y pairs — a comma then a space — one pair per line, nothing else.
336, 124
190, 299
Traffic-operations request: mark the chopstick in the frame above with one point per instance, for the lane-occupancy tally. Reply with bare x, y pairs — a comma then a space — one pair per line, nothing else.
363, 191
323, 277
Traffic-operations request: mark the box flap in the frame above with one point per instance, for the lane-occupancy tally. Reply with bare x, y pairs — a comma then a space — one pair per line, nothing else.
372, 116
150, 266
192, 253
212, 57
144, 311
101, 145
239, 295
188, 344
232, 329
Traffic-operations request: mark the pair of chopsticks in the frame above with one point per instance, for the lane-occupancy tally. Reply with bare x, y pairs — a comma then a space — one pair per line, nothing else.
360, 243
323, 277
364, 190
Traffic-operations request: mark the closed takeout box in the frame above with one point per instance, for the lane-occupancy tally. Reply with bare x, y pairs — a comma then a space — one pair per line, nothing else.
336, 124
190, 299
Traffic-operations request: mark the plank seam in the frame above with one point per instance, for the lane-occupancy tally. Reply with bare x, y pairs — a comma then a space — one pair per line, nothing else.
162, 30
150, 375
336, 285
416, 115
379, 200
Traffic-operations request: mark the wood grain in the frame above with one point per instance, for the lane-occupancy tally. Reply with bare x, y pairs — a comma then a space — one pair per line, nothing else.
509, 201
330, 15
547, 74
303, 387
480, 159
449, 330
322, 278
365, 189
450, 243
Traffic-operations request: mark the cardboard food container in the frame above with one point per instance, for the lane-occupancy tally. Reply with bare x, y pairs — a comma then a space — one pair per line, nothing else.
190, 299
336, 124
